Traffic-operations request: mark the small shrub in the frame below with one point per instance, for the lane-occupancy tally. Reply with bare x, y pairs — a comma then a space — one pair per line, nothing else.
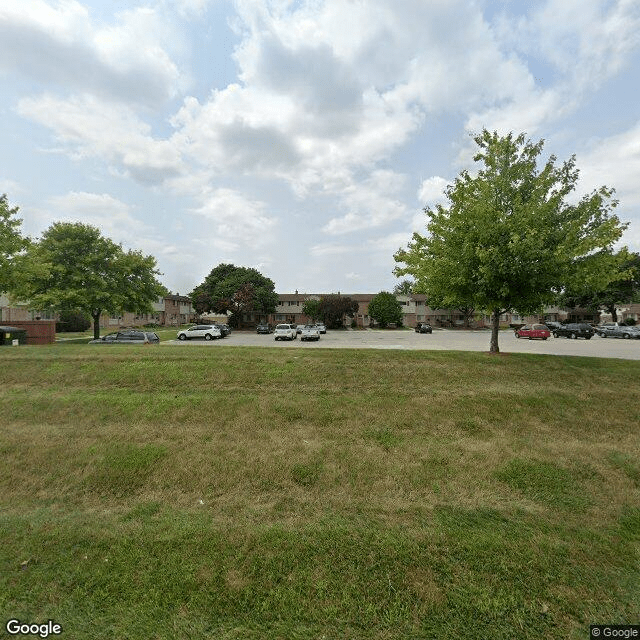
73, 320
630, 322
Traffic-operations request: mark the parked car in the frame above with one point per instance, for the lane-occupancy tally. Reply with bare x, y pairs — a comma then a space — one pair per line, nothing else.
264, 327
615, 330
310, 332
552, 324
225, 329
321, 327
574, 330
285, 332
152, 337
423, 327
206, 331
126, 336
533, 331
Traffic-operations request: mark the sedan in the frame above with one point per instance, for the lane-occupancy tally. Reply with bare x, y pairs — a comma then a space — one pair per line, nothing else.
423, 327
614, 330
206, 331
264, 328
321, 327
533, 331
310, 332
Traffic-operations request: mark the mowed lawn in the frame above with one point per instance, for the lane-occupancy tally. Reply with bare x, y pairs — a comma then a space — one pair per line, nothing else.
233, 493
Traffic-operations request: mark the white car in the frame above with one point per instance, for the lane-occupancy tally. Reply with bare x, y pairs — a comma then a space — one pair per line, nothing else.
310, 332
321, 327
285, 332
206, 331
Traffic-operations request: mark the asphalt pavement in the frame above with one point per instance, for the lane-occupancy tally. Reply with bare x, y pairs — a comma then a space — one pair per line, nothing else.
439, 340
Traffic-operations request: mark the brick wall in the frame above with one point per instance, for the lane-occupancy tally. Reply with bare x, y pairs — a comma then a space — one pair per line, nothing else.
38, 331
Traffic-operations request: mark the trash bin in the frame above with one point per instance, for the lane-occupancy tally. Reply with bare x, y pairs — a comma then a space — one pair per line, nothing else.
10, 334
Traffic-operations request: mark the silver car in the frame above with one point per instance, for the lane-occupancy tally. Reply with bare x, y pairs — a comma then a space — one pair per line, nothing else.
310, 332
615, 330
206, 331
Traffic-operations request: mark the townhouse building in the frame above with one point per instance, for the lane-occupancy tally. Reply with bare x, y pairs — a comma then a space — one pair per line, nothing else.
170, 310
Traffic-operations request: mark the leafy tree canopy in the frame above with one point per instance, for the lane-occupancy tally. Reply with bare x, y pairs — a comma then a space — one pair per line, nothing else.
404, 287
12, 243
83, 270
334, 308
385, 309
508, 239
237, 290
618, 292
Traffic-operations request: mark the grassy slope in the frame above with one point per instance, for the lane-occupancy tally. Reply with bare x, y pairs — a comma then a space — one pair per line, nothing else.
257, 493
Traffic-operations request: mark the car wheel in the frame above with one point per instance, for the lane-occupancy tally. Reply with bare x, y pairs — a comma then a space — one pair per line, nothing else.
544, 338
182, 337
602, 335
573, 336
626, 336
587, 337
555, 334
208, 336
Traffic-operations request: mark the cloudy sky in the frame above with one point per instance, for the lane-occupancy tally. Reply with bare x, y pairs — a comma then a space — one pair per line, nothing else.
299, 137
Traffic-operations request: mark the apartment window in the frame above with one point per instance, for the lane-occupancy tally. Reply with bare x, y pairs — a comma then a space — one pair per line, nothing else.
43, 315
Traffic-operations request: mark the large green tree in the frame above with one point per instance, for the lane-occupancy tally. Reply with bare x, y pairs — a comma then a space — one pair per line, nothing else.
233, 289
334, 308
81, 269
385, 309
509, 239
12, 243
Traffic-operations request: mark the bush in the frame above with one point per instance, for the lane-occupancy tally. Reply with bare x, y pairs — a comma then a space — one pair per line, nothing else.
630, 322
73, 320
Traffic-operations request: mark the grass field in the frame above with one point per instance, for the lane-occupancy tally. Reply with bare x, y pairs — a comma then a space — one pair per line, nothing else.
231, 493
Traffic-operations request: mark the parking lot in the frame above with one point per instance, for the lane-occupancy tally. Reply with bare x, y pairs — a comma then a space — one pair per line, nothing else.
440, 339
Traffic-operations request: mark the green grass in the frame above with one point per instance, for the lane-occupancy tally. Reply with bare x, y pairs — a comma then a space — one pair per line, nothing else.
277, 493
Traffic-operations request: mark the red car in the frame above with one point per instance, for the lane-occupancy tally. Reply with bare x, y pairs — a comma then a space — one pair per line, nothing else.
532, 331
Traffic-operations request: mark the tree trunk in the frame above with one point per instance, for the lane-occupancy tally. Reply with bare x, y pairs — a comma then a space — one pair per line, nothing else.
96, 323
495, 326
614, 313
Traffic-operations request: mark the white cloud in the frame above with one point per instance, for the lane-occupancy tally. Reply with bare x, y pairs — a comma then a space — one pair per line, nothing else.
59, 45
330, 249
112, 216
615, 162
93, 128
432, 191
582, 43
369, 203
233, 220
